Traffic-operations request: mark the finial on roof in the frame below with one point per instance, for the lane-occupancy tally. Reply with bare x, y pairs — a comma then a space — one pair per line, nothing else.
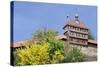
76, 16
67, 16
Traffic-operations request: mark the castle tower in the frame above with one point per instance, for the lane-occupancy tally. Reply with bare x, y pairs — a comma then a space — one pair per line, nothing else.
76, 31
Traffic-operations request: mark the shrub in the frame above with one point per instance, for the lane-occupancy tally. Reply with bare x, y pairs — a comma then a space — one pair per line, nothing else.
57, 57
74, 55
34, 54
37, 54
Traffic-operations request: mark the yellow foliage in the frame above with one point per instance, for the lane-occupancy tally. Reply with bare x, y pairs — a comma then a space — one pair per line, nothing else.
57, 57
34, 54
37, 54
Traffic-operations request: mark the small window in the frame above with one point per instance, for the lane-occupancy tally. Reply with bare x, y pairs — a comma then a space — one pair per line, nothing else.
83, 35
71, 39
75, 28
72, 27
86, 36
72, 33
84, 30
68, 27
79, 29
77, 40
77, 34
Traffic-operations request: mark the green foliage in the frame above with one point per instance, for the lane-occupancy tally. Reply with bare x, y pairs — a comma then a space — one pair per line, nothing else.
57, 57
55, 45
49, 36
74, 55
90, 35
44, 35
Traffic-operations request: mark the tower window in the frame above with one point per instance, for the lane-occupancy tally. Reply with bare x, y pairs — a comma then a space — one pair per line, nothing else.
71, 39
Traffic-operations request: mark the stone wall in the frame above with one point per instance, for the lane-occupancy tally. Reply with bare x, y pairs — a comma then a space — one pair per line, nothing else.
87, 50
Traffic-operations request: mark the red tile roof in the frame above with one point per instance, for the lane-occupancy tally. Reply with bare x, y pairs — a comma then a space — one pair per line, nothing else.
92, 41
76, 23
60, 37
18, 44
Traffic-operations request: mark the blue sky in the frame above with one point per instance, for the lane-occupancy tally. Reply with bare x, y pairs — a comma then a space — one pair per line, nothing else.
31, 16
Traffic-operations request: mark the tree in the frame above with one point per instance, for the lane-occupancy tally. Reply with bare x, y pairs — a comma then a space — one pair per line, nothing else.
90, 35
48, 50
44, 34
74, 55
54, 44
